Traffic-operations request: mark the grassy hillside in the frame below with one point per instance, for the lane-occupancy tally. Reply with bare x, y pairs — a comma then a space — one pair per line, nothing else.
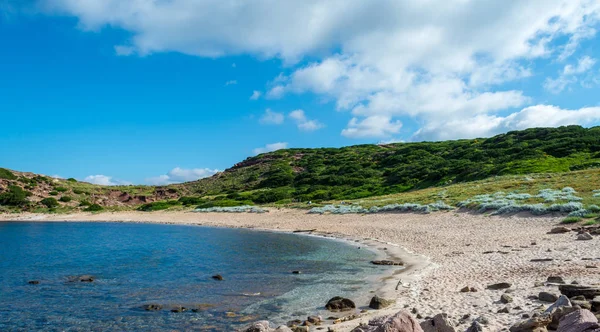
370, 175
373, 170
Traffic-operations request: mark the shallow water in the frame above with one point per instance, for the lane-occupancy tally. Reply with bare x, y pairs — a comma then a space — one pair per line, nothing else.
137, 264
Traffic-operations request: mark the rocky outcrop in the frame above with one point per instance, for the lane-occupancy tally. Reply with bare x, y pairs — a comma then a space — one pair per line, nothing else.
579, 321
589, 292
340, 304
379, 303
439, 323
400, 322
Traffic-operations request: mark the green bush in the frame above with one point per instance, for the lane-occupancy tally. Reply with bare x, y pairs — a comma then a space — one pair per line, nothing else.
14, 196
6, 174
66, 199
78, 191
271, 196
50, 202
223, 203
94, 208
61, 189
85, 203
53, 193
571, 220
156, 206
71, 180
186, 201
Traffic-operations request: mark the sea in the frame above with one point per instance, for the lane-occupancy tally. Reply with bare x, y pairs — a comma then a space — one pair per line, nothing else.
137, 264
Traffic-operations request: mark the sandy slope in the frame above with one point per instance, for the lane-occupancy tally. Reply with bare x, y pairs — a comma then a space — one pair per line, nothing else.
452, 246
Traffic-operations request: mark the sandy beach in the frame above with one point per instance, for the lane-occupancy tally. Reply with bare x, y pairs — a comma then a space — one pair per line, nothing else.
443, 253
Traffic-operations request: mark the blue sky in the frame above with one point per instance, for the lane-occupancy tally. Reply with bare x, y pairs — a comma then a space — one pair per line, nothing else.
169, 91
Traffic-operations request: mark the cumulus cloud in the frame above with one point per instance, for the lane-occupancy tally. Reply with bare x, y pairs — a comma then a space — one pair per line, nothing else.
303, 122
569, 74
271, 118
379, 59
271, 147
124, 50
487, 125
377, 126
178, 175
255, 95
105, 180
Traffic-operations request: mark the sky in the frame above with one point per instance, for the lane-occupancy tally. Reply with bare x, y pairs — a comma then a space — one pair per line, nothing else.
166, 91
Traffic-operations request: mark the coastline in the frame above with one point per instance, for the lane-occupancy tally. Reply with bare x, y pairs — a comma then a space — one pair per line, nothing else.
443, 252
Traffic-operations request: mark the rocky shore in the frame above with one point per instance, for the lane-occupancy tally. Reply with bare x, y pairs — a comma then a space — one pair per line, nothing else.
471, 271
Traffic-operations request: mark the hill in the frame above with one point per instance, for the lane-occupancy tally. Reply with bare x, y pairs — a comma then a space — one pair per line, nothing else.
350, 173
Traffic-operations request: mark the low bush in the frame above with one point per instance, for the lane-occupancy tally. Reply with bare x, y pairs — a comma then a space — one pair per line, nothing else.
14, 196
223, 203
85, 203
186, 201
234, 209
66, 199
157, 206
571, 220
94, 208
78, 191
61, 189
6, 174
71, 180
49, 202
53, 193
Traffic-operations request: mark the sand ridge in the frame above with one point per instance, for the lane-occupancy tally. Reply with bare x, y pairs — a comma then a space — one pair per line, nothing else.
444, 252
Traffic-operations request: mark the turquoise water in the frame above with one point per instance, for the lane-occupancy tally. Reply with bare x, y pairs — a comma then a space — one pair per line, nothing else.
137, 264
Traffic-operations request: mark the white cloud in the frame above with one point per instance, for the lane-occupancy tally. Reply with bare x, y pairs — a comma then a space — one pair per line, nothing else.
303, 122
434, 60
124, 50
178, 175
373, 126
231, 82
105, 180
486, 125
271, 147
569, 75
271, 118
255, 95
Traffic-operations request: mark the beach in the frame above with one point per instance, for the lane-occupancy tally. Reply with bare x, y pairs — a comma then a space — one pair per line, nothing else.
443, 252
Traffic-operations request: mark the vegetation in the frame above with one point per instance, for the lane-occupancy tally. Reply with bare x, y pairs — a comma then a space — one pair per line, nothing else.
571, 220
156, 206
94, 208
66, 199
50, 202
14, 196
6, 174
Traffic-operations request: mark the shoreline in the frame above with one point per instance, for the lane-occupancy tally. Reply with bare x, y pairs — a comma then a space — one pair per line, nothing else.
443, 252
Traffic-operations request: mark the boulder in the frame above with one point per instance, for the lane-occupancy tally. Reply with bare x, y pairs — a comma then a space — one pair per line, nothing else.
439, 323
399, 322
573, 290
579, 321
547, 297
314, 320
596, 304
585, 236
502, 285
379, 303
562, 301
555, 280
82, 278
475, 327
535, 324
559, 230
505, 298
261, 326
340, 304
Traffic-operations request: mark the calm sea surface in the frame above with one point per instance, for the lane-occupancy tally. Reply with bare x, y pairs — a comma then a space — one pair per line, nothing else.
138, 264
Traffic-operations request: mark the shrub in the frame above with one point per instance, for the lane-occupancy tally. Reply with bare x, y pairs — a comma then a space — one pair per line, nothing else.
14, 196
156, 206
6, 174
85, 203
65, 199
591, 223
579, 213
53, 193
223, 203
71, 180
270, 196
61, 189
234, 209
594, 208
186, 201
78, 191
571, 220
94, 208
50, 202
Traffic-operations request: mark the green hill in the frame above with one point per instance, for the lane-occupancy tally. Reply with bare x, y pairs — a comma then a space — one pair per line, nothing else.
371, 170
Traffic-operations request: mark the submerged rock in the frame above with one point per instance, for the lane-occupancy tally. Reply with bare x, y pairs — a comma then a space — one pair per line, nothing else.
152, 307
218, 277
340, 304
400, 322
33, 282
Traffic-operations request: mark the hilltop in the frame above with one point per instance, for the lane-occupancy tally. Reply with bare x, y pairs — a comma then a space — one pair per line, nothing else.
397, 170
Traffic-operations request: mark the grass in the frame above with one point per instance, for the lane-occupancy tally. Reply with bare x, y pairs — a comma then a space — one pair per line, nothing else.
591, 223
571, 220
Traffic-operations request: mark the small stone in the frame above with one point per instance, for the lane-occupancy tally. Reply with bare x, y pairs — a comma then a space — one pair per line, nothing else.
379, 303
559, 230
585, 237
502, 285
505, 298
473, 290
556, 280
547, 297
465, 289
504, 310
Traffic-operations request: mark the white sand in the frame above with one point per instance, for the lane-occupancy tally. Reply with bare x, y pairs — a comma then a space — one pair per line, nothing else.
448, 255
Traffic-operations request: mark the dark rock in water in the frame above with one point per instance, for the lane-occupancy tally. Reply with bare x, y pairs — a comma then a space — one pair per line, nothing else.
386, 262
579, 321
340, 304
573, 290
502, 285
379, 303
33, 282
505, 298
82, 278
218, 277
536, 324
296, 272
152, 307
402, 321
178, 309
556, 280
439, 323
547, 297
